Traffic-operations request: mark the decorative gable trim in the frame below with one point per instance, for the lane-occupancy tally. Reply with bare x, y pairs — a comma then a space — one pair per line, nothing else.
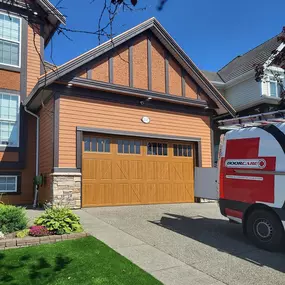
172, 47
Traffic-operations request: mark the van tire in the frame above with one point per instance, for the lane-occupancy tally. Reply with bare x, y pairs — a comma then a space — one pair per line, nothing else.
265, 230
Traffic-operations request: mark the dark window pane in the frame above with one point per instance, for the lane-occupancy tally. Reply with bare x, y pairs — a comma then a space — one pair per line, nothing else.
180, 150
164, 149
132, 147
149, 148
138, 147
184, 150
189, 151
107, 145
154, 148
159, 149
120, 146
87, 144
175, 149
126, 146
100, 145
94, 144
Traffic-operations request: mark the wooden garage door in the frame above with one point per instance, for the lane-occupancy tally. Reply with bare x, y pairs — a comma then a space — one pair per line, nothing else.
131, 171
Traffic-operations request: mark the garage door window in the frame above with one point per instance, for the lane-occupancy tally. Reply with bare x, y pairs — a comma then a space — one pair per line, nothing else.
129, 147
182, 150
157, 149
96, 144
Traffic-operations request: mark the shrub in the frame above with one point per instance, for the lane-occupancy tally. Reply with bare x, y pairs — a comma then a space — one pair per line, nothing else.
39, 231
60, 220
23, 233
12, 218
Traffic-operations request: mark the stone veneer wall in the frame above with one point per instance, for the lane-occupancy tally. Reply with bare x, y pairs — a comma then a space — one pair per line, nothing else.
66, 189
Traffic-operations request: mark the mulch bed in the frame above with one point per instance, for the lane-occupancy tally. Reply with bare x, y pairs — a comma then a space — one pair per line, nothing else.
10, 241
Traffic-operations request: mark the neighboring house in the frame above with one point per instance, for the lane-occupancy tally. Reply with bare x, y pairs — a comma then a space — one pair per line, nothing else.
124, 123
236, 82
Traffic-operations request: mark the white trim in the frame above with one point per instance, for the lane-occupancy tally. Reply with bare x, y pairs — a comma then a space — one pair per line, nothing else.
238, 220
17, 120
272, 56
13, 41
16, 184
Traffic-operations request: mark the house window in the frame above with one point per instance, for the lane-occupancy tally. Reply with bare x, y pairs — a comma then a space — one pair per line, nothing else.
9, 120
10, 40
157, 149
129, 147
182, 150
8, 183
274, 87
95, 144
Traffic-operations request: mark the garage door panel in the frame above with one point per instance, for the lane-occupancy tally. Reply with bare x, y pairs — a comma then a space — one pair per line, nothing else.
136, 172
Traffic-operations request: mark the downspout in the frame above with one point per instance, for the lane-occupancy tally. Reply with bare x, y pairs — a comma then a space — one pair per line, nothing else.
37, 153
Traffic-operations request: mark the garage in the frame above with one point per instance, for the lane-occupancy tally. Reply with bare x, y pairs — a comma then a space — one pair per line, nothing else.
120, 170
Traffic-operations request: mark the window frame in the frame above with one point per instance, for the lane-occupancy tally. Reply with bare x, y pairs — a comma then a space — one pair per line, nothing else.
129, 153
16, 184
97, 137
13, 41
160, 142
17, 121
186, 145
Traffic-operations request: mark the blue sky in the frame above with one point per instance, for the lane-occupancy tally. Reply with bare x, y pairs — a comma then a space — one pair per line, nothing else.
211, 32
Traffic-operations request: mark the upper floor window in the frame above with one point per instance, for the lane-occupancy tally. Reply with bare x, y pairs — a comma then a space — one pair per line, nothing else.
9, 120
274, 87
10, 40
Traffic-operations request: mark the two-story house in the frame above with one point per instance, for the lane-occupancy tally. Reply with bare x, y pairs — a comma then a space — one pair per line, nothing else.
25, 29
236, 82
122, 124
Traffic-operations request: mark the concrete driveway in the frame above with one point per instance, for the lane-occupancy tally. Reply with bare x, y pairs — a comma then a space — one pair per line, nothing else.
184, 244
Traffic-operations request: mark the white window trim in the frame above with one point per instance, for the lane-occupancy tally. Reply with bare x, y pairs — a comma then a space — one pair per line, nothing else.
17, 120
13, 41
269, 87
16, 182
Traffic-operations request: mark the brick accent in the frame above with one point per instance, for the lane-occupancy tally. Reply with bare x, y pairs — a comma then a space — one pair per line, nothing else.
30, 241
66, 189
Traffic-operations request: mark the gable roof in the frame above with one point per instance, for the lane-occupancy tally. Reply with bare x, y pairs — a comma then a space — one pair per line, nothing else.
245, 63
173, 48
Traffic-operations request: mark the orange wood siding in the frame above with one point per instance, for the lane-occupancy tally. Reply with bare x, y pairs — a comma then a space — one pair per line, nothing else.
33, 58
120, 117
175, 87
100, 71
46, 149
121, 67
140, 76
83, 74
9, 80
27, 175
158, 67
190, 88
9, 156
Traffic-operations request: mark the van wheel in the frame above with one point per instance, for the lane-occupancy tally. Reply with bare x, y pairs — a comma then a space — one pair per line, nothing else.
265, 230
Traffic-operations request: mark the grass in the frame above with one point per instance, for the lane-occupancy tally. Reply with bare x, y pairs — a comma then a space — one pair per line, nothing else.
84, 261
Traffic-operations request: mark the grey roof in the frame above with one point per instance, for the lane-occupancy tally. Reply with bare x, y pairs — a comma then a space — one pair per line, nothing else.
245, 63
49, 66
212, 76
173, 48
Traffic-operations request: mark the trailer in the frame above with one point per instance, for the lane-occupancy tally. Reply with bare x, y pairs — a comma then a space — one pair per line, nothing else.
251, 176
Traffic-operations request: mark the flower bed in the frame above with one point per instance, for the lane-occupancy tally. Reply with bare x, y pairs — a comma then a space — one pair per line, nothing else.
55, 224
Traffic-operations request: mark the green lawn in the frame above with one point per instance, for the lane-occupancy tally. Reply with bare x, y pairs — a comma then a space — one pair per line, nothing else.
74, 262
